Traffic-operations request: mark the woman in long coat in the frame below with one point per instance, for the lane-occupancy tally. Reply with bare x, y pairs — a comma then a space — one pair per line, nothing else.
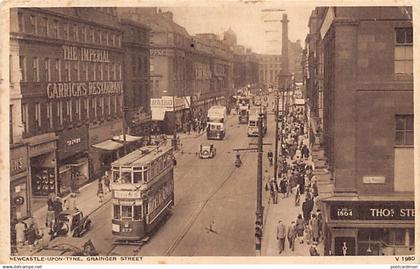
300, 227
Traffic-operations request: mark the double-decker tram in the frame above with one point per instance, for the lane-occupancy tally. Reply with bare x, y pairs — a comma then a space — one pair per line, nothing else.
142, 192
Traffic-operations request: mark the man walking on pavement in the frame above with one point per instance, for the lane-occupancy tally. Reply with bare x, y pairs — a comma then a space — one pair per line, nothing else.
291, 235
281, 235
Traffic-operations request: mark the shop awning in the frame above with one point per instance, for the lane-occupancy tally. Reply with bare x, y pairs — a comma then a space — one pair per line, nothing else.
108, 145
128, 138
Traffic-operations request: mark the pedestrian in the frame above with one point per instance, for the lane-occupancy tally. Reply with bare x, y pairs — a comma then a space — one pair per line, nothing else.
49, 219
20, 228
300, 227
100, 192
281, 235
315, 188
296, 190
314, 228
307, 207
31, 236
107, 182
267, 178
291, 235
283, 186
57, 207
312, 250
273, 190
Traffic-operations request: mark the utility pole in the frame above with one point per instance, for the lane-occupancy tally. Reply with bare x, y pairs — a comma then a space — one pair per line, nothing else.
174, 142
124, 124
276, 142
260, 208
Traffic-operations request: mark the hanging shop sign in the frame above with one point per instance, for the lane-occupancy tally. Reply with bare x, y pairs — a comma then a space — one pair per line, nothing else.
72, 141
386, 210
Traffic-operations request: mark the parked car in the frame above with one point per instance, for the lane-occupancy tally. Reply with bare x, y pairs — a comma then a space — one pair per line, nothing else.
207, 151
71, 223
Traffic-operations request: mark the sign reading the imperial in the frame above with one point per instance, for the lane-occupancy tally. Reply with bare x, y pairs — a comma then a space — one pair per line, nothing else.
72, 53
372, 211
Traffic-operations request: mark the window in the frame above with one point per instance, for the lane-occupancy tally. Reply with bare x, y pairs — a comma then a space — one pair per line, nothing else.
76, 32
86, 71
114, 71
84, 34
67, 71
403, 54
32, 22
94, 71
21, 21
60, 112
87, 107
35, 67
115, 104
119, 71
101, 71
47, 70
25, 115
404, 130
58, 69
11, 124
106, 38
69, 110
22, 67
107, 71
38, 114
94, 107
78, 109
117, 212
102, 102
45, 26
92, 35
49, 115
54, 29
137, 212
77, 70
100, 37
146, 65
108, 107
126, 212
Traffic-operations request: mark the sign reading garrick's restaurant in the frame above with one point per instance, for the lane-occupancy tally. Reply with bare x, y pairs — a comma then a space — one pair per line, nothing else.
77, 89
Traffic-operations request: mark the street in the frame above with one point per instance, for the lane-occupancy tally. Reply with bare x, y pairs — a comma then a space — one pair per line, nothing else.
207, 192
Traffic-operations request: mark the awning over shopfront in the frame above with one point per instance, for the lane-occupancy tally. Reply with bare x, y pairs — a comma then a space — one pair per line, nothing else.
128, 138
109, 145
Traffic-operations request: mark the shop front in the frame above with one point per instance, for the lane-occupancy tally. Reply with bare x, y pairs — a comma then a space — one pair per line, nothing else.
102, 149
43, 166
20, 204
167, 114
368, 228
72, 159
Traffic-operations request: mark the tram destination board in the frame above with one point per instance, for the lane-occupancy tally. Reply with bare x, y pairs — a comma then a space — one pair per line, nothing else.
372, 211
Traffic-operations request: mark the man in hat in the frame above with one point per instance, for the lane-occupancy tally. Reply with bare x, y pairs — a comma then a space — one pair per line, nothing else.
312, 250
281, 235
291, 235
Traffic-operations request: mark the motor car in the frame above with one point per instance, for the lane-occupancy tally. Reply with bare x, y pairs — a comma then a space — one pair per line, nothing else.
72, 223
207, 151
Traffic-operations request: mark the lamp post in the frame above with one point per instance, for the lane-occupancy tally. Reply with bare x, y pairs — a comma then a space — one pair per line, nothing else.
174, 141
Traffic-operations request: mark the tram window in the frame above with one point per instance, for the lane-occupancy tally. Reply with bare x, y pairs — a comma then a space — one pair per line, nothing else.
115, 174
126, 212
126, 177
116, 212
145, 176
136, 176
137, 212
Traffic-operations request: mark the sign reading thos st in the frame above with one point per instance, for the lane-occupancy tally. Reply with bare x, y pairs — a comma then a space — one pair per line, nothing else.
372, 211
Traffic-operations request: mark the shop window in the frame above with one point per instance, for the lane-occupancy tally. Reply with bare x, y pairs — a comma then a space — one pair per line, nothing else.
137, 212
117, 212
403, 53
126, 212
35, 69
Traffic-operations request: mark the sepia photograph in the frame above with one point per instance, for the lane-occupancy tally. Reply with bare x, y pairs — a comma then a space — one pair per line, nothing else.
231, 129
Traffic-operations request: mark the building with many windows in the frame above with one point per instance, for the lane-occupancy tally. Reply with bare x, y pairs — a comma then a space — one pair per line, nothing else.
66, 85
269, 70
368, 133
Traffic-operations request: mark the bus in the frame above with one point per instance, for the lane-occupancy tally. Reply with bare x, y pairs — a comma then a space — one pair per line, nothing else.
216, 122
253, 120
142, 185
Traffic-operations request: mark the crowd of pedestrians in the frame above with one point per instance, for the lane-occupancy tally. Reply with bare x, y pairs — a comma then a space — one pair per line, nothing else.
295, 180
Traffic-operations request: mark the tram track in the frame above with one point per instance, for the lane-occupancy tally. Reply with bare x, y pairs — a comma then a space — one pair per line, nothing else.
200, 209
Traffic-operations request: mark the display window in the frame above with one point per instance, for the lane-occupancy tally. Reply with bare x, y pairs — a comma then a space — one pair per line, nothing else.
43, 181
